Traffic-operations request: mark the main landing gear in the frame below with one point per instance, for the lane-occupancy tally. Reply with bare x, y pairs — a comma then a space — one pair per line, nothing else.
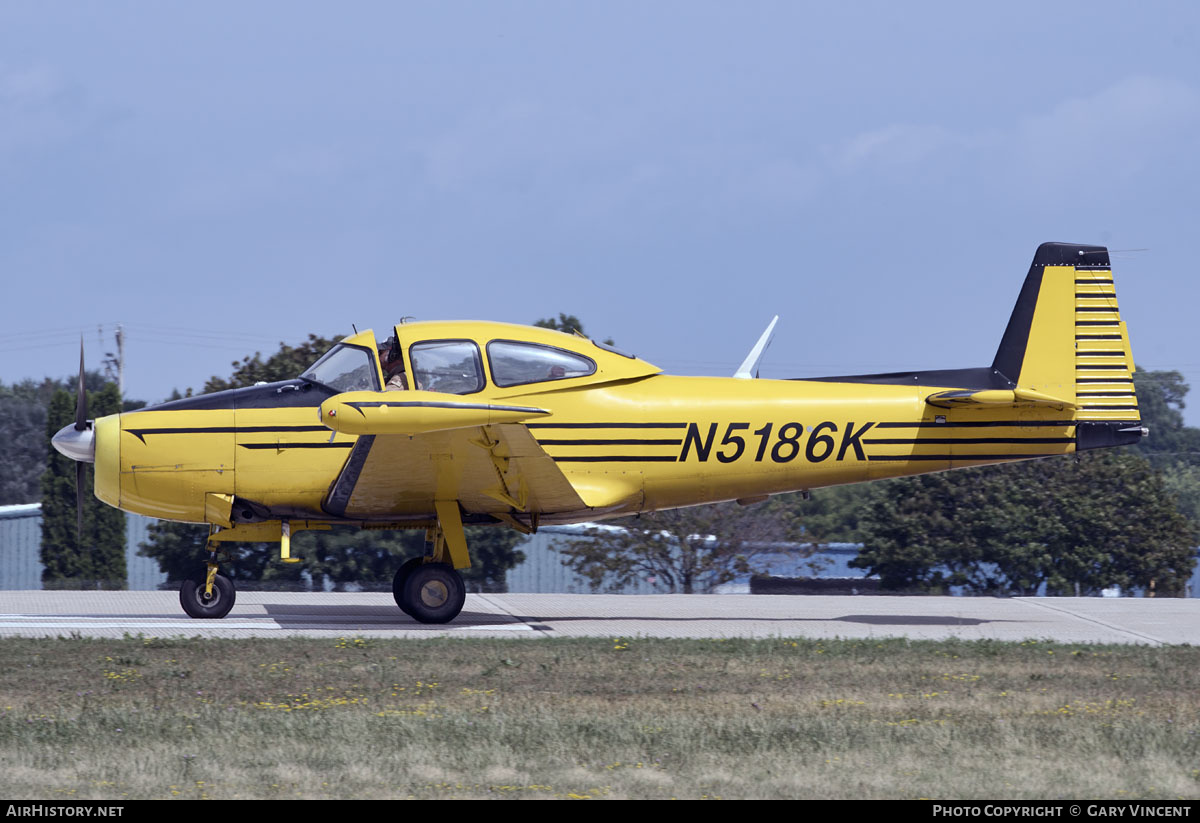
430, 589
429, 592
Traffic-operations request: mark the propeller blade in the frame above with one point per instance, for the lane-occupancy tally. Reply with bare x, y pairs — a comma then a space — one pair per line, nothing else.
80, 470
80, 395
80, 425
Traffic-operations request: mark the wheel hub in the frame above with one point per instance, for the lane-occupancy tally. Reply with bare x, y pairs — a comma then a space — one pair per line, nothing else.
434, 593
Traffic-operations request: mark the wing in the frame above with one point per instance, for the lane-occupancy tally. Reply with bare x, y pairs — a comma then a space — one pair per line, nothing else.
494, 469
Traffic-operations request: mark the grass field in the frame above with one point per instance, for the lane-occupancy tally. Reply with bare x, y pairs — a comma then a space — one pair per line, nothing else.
618, 718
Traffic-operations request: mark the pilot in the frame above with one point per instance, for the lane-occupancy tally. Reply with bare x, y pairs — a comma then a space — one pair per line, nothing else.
392, 362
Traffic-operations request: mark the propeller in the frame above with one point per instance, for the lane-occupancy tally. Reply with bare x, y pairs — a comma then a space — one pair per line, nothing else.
77, 441
80, 426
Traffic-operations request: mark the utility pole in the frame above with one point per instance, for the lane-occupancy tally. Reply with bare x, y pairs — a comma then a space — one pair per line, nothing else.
120, 361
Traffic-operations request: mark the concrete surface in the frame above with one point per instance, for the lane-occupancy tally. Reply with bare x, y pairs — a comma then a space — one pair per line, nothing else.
275, 614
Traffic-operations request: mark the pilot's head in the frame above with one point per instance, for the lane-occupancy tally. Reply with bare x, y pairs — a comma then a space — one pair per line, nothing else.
390, 357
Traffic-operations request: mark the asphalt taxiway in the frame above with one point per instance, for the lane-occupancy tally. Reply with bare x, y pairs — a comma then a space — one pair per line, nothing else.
274, 614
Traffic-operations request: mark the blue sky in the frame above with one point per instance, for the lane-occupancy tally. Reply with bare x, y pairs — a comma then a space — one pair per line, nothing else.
220, 177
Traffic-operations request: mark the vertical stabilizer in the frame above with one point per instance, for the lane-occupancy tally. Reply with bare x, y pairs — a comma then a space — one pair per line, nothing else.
1066, 338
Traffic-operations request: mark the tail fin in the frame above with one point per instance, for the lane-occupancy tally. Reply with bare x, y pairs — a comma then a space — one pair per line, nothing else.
1066, 339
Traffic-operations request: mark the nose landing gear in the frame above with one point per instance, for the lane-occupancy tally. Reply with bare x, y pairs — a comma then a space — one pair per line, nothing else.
207, 595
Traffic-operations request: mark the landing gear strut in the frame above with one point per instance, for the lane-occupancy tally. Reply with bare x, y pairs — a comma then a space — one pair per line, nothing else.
430, 589
206, 594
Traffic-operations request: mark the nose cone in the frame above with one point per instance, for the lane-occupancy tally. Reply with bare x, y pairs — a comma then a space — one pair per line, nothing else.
76, 444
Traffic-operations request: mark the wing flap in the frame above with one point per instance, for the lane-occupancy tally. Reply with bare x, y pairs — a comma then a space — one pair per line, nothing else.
497, 469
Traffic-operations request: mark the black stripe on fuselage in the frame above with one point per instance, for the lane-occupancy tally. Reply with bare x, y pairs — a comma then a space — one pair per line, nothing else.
281, 446
1097, 337
958, 458
969, 424
624, 458
140, 433
606, 425
1103, 379
617, 442
422, 404
286, 394
918, 441
972, 379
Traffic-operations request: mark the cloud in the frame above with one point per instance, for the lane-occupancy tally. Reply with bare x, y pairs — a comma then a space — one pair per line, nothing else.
895, 146
37, 109
1113, 134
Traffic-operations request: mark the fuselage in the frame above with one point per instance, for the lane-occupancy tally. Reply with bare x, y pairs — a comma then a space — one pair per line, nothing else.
626, 437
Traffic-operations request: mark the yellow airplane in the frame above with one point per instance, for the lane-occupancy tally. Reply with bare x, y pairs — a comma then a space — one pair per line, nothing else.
516, 426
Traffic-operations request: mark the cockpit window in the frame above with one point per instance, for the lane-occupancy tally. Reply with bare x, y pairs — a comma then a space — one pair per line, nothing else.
449, 366
345, 368
515, 364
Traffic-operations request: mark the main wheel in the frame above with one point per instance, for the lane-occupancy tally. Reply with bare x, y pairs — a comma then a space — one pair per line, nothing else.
211, 607
401, 577
434, 593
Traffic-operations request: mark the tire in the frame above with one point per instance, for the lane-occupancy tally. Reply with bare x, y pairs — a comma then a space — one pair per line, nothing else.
191, 596
398, 582
434, 593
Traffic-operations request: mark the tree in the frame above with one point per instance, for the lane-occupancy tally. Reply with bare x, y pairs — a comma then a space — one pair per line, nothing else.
284, 364
568, 323
179, 550
493, 553
1172, 447
23, 442
23, 445
94, 556
678, 550
1070, 524
829, 515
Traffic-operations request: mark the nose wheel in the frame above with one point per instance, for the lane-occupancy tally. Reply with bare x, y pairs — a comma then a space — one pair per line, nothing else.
201, 602
429, 592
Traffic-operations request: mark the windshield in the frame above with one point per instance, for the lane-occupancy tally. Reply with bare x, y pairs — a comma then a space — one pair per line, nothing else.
345, 368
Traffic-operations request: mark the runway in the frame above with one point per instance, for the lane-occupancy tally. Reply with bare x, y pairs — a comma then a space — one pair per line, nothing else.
542, 616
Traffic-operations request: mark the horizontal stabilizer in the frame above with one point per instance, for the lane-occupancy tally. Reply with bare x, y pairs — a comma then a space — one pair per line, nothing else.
415, 412
996, 397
